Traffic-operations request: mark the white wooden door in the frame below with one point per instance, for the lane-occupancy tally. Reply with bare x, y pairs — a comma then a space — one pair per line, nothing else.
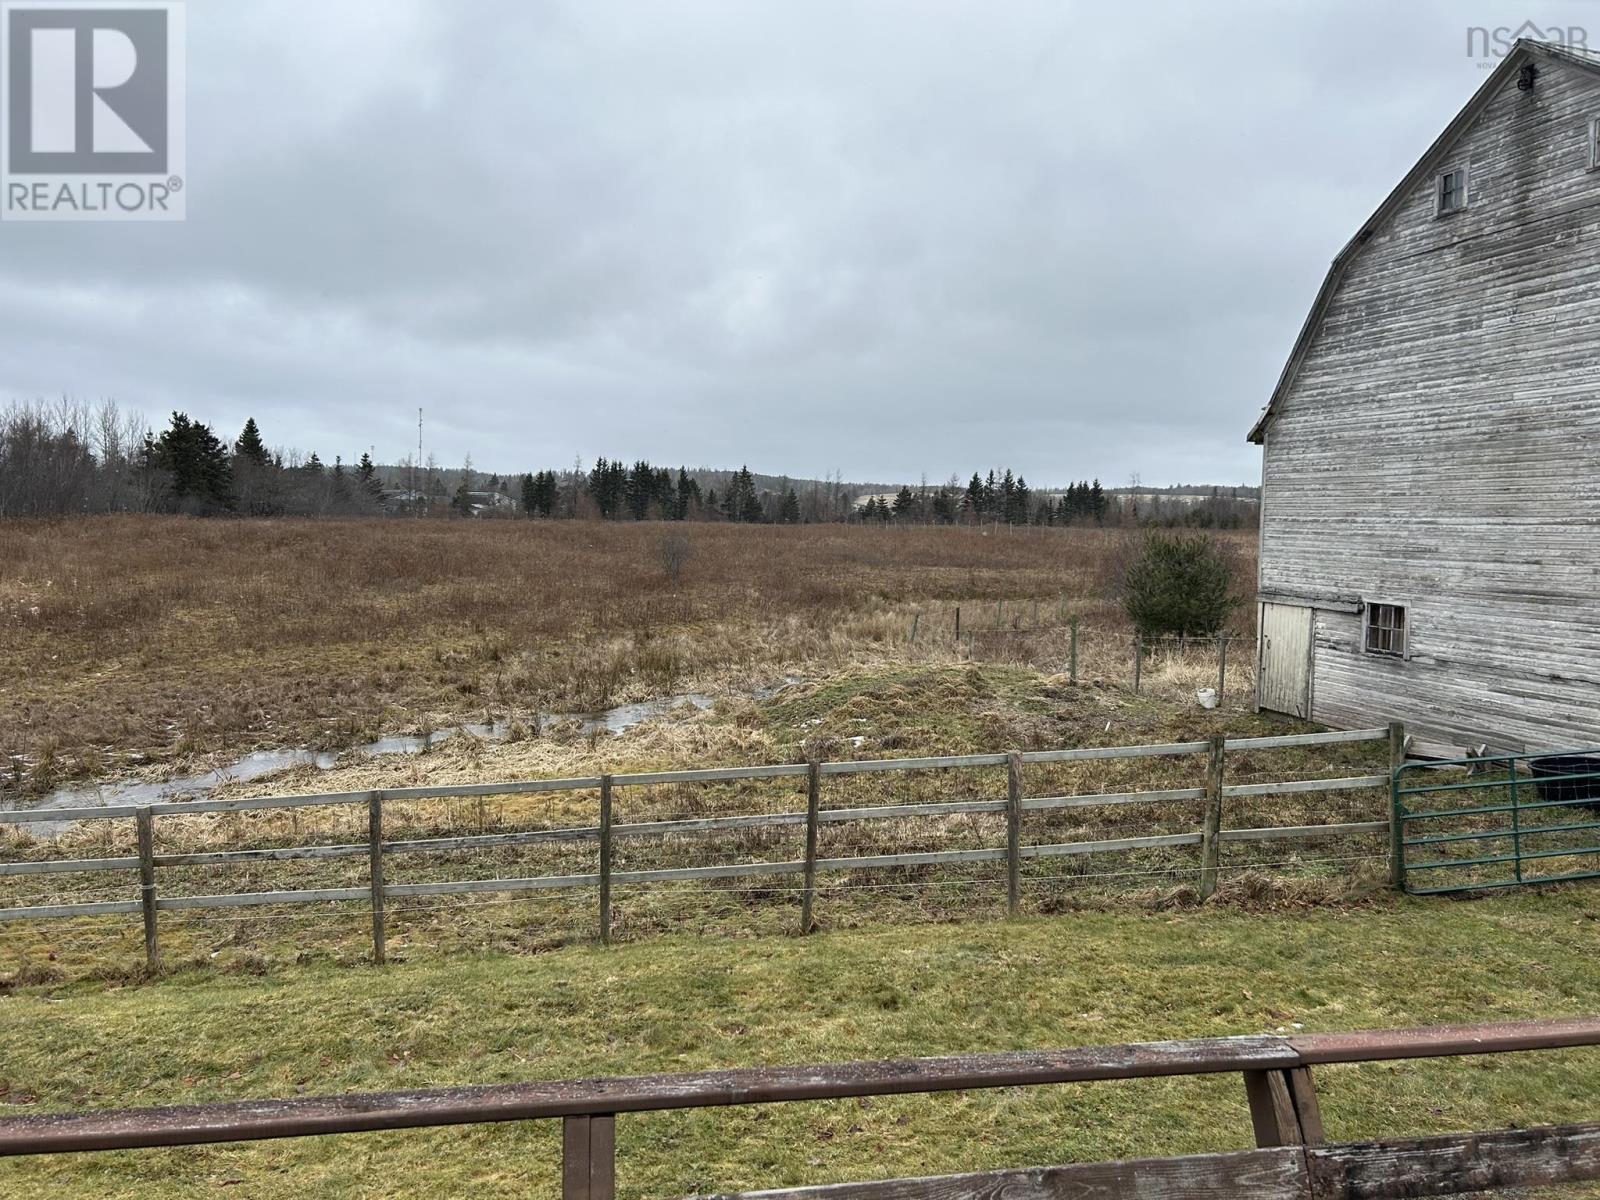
1285, 667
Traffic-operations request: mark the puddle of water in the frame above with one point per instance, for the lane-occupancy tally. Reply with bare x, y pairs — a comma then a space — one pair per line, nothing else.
265, 762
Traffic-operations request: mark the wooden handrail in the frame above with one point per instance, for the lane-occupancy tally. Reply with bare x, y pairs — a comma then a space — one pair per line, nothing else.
254, 1120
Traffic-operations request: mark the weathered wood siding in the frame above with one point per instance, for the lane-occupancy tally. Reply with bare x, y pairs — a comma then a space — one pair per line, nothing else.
1440, 445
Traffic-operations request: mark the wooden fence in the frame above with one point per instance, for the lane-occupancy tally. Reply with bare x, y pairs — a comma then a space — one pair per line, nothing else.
1209, 838
988, 625
1292, 1160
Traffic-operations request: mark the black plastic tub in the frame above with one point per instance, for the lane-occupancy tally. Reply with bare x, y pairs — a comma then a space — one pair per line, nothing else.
1567, 791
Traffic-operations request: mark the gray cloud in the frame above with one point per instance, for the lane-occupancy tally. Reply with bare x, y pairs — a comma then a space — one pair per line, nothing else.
890, 238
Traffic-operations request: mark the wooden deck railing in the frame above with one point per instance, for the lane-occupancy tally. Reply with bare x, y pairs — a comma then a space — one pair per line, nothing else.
1292, 1161
1208, 838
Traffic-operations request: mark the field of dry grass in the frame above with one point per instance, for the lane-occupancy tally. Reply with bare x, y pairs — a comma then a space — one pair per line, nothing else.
908, 711
190, 642
171, 641
132, 641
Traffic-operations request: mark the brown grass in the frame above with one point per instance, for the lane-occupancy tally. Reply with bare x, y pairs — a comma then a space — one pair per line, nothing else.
911, 711
149, 638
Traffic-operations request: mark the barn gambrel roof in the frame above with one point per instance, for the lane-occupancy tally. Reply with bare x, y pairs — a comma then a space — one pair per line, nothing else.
1525, 51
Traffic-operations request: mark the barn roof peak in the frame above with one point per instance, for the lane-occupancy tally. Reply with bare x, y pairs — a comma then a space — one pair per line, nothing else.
1523, 52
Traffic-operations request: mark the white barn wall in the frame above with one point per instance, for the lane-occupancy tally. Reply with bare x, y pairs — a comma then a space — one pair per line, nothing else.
1439, 446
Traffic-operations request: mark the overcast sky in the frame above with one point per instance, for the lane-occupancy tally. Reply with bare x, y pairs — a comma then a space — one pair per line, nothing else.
886, 238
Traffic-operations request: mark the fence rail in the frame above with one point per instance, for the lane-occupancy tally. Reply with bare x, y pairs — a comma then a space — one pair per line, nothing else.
1210, 837
1292, 1160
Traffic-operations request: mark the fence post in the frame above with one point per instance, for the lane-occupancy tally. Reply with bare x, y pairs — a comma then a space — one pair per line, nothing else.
1013, 832
1138, 659
808, 894
915, 621
1397, 850
605, 860
375, 873
958, 624
1222, 667
1211, 829
144, 829
1283, 1107
589, 1158
1072, 670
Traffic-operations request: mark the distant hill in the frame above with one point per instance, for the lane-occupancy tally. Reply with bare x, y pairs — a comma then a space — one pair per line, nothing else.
1231, 491
847, 491
706, 477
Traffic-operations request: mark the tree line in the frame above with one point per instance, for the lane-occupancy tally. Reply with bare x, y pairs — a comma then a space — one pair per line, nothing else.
1001, 498
70, 457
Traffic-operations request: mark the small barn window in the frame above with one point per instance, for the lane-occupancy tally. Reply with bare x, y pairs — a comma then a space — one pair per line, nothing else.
1451, 191
1386, 629
1594, 144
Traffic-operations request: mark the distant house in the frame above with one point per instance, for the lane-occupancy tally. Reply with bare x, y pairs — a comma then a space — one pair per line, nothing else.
1430, 535
482, 502
401, 499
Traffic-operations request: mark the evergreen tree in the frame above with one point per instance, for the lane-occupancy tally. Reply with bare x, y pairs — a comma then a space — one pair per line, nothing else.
904, 503
1097, 502
341, 484
367, 478
249, 446
1181, 585
741, 502
1021, 502
750, 510
789, 512
196, 461
529, 493
974, 498
608, 485
664, 495
639, 490
255, 473
688, 495
461, 502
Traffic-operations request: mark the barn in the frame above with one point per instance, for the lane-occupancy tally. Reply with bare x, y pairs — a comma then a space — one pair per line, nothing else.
1430, 528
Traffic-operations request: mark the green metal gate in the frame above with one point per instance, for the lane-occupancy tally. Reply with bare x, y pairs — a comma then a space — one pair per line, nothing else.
1494, 822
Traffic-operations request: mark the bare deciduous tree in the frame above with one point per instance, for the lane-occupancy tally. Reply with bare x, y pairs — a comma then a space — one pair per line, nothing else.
673, 552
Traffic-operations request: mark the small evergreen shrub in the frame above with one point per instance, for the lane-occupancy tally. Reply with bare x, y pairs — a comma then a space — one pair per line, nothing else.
1179, 585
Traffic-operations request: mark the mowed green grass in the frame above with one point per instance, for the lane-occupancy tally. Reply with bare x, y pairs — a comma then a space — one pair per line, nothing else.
681, 1003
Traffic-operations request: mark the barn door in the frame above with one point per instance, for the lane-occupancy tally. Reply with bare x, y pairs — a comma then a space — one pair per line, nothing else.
1285, 666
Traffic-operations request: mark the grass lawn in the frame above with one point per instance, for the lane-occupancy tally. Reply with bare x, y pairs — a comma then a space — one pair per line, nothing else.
679, 1003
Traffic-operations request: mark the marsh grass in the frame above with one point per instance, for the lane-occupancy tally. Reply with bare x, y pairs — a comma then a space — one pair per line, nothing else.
147, 639
906, 711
